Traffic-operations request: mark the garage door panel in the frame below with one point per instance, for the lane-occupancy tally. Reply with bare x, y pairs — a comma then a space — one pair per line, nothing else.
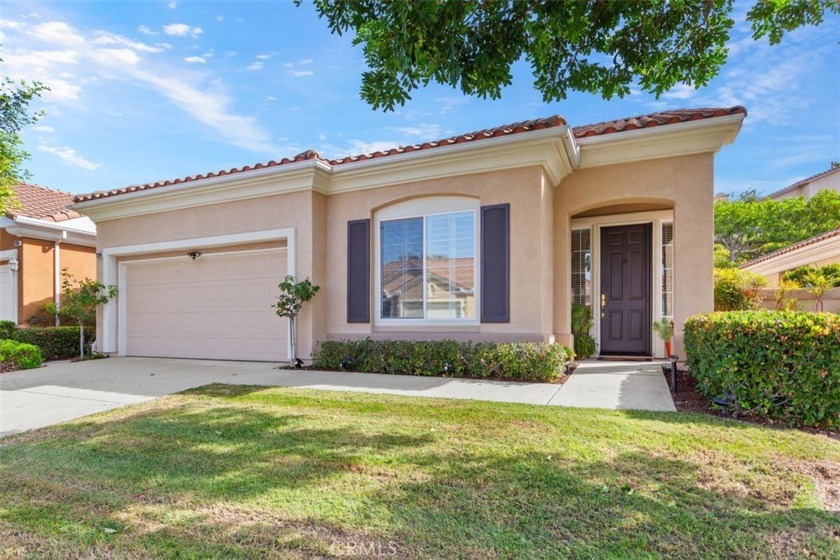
214, 307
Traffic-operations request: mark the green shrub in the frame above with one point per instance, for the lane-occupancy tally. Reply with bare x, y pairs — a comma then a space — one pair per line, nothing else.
56, 343
7, 329
804, 275
782, 365
585, 346
581, 324
25, 356
525, 361
737, 290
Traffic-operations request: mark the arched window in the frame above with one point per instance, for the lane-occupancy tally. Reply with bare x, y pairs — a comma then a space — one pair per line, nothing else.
427, 261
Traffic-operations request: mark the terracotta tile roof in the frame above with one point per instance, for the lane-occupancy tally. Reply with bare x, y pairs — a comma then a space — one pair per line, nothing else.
804, 181
655, 119
34, 201
645, 121
791, 248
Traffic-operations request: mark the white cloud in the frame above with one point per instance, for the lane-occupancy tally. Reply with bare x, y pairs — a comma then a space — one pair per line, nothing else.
42, 58
145, 30
220, 18
255, 66
426, 131
57, 32
182, 30
195, 59
97, 68
69, 156
43, 128
172, 5
306, 61
209, 54
115, 57
680, 91
9, 24
271, 98
105, 38
210, 107
263, 56
300, 73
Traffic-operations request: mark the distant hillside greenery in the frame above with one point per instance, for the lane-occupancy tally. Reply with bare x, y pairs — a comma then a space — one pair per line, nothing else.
750, 227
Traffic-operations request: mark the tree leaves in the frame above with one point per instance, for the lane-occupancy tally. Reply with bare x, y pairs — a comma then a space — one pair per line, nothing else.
594, 46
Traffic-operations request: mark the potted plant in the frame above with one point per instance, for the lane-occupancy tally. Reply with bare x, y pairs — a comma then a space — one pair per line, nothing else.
664, 329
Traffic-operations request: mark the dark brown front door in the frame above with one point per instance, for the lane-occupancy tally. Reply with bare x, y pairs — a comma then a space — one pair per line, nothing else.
625, 289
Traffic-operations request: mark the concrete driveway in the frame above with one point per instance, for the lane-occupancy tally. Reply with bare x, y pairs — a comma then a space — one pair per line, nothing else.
62, 391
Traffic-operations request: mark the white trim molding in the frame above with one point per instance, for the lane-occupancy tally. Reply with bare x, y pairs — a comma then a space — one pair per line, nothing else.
656, 218
827, 249
111, 316
692, 137
71, 232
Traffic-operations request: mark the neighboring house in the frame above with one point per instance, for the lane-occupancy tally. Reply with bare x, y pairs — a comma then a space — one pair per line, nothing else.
39, 236
819, 250
829, 179
484, 236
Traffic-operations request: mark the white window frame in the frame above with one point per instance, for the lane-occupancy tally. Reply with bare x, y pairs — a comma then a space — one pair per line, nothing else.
656, 218
422, 208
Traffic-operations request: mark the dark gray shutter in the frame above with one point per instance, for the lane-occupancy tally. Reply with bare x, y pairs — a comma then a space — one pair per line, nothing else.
358, 271
495, 264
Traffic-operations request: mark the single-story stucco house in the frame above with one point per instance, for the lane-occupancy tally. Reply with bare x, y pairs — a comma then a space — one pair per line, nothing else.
39, 237
820, 250
491, 235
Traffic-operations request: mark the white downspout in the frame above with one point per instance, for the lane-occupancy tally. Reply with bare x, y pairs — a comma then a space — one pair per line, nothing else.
57, 266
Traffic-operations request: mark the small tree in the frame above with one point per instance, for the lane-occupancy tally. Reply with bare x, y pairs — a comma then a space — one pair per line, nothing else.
292, 297
817, 285
79, 301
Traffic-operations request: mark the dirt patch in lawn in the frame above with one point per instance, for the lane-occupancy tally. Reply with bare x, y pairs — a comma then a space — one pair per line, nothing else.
8, 367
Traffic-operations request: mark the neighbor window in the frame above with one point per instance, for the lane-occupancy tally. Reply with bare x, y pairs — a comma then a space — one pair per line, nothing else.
582, 266
668, 269
427, 266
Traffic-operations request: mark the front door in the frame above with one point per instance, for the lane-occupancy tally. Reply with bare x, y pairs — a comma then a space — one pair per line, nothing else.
625, 289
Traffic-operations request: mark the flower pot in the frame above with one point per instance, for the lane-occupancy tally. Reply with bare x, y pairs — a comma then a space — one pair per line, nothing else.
667, 348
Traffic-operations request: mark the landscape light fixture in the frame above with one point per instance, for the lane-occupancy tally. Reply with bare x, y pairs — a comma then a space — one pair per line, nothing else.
194, 254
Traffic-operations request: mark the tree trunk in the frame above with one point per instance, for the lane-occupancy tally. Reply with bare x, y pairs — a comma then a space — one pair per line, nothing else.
293, 339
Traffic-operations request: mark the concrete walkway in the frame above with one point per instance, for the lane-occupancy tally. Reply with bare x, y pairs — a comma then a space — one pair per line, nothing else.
63, 390
617, 386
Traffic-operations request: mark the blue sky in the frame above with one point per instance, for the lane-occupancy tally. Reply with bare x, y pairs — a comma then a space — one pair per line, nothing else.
143, 91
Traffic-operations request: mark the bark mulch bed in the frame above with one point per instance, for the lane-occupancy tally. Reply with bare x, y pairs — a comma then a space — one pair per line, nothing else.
689, 399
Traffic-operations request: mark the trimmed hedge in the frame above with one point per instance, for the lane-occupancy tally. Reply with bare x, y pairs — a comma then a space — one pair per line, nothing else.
56, 343
782, 365
25, 356
523, 361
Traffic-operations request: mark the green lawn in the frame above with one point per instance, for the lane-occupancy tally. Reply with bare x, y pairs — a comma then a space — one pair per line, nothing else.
256, 472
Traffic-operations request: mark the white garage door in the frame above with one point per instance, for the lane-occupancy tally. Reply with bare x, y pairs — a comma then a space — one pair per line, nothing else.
216, 307
8, 311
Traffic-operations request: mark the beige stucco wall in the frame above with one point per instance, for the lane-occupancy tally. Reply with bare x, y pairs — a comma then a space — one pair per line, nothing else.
686, 183
529, 196
540, 239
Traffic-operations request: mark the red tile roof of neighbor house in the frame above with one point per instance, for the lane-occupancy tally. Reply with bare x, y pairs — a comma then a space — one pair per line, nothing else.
620, 125
790, 248
34, 201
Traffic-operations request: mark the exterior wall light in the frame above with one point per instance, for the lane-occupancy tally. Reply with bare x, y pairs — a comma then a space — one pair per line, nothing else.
194, 254
14, 264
